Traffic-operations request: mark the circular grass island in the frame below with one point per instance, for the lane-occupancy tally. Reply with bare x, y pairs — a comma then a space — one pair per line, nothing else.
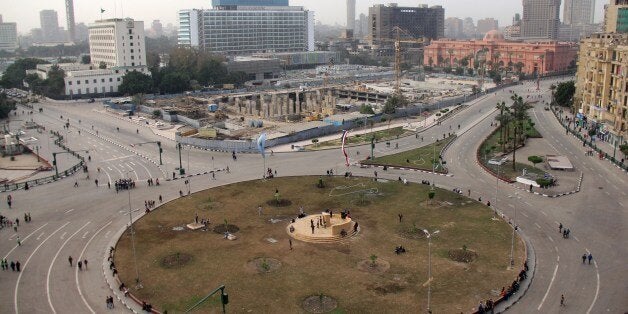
179, 266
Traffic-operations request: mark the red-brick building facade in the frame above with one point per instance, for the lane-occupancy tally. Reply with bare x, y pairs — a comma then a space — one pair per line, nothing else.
495, 52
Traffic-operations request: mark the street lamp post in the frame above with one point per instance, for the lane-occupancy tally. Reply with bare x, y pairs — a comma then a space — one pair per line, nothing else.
496, 189
433, 164
429, 266
514, 228
181, 170
137, 271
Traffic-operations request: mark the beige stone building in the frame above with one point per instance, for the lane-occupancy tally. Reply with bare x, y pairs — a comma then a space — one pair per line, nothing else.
602, 84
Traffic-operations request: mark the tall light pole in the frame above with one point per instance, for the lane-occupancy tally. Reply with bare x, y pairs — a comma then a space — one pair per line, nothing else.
514, 228
496, 189
429, 266
433, 164
137, 271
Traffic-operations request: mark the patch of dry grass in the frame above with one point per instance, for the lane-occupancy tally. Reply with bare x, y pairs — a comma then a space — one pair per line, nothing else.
311, 269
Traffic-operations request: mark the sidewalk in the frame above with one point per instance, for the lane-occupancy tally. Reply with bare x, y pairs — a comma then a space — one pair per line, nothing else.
607, 150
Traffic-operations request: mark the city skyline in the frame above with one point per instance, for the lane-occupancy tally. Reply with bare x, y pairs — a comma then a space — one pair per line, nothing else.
26, 14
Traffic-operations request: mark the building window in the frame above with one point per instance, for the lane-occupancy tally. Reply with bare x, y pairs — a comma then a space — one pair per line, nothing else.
133, 64
78, 91
78, 82
118, 79
87, 90
131, 44
102, 80
110, 79
94, 81
87, 82
69, 82
130, 37
130, 31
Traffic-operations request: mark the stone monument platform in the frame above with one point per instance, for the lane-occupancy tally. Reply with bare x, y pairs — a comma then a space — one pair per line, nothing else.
327, 228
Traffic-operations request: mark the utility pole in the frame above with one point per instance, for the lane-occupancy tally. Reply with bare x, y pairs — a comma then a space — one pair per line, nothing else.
429, 266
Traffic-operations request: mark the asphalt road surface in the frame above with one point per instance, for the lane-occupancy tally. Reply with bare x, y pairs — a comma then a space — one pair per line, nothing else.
81, 221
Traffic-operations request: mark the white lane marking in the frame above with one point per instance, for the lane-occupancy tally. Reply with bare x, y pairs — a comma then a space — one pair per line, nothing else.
597, 288
132, 163
576, 238
52, 263
621, 204
11, 237
107, 234
550, 238
607, 193
63, 235
85, 235
542, 212
148, 172
39, 237
69, 211
524, 214
623, 193
78, 286
526, 202
19, 277
537, 225
550, 285
109, 168
24, 240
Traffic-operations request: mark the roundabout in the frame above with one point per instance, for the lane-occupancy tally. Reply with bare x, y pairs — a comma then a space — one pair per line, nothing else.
271, 267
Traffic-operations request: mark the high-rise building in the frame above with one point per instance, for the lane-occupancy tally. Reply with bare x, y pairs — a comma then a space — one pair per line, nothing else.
602, 85
188, 34
616, 17
540, 19
49, 22
350, 30
486, 25
239, 30
578, 12
157, 28
69, 12
468, 27
418, 22
362, 26
255, 3
453, 28
117, 43
8, 36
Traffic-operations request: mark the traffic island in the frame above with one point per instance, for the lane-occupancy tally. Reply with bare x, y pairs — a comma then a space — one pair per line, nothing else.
374, 268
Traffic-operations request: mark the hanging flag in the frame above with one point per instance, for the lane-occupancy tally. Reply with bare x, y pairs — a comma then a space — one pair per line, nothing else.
102, 10
344, 151
261, 143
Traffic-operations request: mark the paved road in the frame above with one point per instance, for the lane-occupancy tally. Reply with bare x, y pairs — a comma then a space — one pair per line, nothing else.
81, 221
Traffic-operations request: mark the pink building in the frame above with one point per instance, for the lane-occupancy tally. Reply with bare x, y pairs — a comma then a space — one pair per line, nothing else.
496, 52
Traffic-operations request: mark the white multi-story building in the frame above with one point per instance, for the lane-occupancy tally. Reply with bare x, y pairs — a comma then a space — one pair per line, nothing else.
117, 43
242, 30
188, 35
8, 36
117, 47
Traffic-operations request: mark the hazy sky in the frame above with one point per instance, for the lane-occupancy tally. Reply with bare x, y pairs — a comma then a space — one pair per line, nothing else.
26, 12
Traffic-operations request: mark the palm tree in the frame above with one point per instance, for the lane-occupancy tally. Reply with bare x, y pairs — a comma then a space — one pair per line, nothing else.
520, 114
450, 51
504, 119
519, 66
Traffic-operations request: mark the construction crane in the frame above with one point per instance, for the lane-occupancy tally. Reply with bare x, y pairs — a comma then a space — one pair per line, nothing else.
398, 40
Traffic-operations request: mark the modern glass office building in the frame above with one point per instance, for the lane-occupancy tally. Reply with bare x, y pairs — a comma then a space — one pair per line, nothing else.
246, 30
265, 3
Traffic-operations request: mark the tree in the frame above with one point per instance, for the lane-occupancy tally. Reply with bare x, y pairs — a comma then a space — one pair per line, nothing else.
520, 114
624, 149
535, 159
6, 105
16, 72
431, 195
86, 59
519, 66
504, 119
102, 65
136, 82
55, 82
174, 82
564, 93
139, 99
450, 52
393, 102
366, 109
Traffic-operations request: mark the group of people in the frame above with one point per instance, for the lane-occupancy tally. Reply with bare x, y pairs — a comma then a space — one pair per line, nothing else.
151, 182
79, 264
110, 304
564, 231
148, 205
270, 174
15, 265
124, 184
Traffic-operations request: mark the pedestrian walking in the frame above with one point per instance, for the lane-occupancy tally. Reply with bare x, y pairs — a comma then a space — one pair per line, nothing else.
85, 264
590, 257
213, 176
290, 242
400, 215
17, 221
80, 265
562, 300
560, 227
19, 241
259, 210
18, 266
109, 185
3, 264
70, 260
12, 266
584, 257
160, 199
